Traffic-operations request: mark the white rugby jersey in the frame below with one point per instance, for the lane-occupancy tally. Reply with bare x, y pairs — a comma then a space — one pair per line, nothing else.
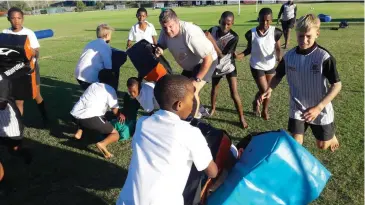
289, 11
309, 74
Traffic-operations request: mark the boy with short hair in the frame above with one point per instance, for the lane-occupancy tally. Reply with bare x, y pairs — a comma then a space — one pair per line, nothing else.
97, 55
142, 29
16, 19
89, 111
143, 92
308, 67
164, 148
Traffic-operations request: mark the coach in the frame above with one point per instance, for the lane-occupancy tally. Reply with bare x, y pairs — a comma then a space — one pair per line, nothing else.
190, 48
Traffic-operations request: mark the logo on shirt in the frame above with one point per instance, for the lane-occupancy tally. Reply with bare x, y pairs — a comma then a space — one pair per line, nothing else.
315, 68
7, 51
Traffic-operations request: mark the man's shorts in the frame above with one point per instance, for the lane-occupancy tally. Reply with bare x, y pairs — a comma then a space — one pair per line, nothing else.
288, 24
207, 78
99, 124
256, 73
84, 85
320, 132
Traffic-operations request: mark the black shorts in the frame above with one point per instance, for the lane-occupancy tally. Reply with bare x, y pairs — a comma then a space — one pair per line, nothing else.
10, 142
256, 73
288, 24
229, 75
84, 85
207, 78
99, 124
320, 132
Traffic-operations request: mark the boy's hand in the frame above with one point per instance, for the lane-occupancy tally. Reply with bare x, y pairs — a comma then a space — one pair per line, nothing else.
311, 114
239, 56
265, 95
121, 118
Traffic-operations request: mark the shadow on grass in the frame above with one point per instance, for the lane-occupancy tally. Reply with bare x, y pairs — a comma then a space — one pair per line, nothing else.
57, 176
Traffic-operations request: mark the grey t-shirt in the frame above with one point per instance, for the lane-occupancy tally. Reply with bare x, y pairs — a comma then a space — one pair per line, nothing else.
189, 47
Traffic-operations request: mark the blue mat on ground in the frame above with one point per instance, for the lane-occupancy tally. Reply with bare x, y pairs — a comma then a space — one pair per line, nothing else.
273, 169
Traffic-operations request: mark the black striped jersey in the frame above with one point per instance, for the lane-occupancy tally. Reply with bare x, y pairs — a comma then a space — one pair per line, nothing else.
309, 74
227, 43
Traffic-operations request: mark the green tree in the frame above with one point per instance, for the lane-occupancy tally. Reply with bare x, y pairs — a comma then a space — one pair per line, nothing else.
80, 6
99, 5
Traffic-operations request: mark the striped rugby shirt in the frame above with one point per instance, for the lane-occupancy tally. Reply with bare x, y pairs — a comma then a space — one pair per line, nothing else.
227, 43
309, 74
10, 122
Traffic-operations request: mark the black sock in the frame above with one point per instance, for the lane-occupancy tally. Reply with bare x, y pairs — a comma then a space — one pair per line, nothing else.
42, 109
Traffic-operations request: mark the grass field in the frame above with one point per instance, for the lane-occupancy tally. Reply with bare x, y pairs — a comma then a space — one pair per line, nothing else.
65, 171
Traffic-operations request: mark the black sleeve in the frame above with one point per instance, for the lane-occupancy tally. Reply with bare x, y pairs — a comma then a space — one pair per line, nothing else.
280, 70
278, 33
231, 46
281, 11
248, 36
210, 30
330, 70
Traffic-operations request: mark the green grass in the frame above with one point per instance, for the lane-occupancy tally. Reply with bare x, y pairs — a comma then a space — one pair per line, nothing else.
65, 171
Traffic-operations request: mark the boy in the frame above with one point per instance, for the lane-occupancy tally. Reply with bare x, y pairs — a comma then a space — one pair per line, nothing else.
89, 111
97, 55
263, 43
165, 147
142, 30
308, 67
225, 40
289, 12
143, 92
16, 18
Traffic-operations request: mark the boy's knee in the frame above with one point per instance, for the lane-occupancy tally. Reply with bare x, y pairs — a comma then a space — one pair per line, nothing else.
298, 138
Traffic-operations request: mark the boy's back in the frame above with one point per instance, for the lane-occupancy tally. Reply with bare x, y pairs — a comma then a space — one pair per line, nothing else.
164, 148
95, 101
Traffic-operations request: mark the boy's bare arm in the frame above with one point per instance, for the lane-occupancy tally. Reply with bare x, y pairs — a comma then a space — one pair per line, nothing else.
312, 113
129, 44
212, 170
278, 51
154, 40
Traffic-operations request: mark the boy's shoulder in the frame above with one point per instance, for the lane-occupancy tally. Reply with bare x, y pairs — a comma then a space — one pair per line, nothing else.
325, 52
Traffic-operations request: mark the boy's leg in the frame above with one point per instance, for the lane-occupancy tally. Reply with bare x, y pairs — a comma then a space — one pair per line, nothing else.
20, 105
214, 93
261, 82
265, 110
325, 135
232, 81
78, 133
2, 172
112, 137
297, 129
198, 87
